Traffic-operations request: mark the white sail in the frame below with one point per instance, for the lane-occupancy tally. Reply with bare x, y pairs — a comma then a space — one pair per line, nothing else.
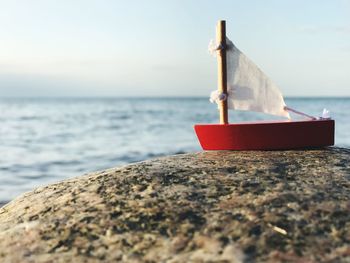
249, 88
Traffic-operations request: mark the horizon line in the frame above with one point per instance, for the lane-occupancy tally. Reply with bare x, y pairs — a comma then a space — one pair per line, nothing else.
156, 97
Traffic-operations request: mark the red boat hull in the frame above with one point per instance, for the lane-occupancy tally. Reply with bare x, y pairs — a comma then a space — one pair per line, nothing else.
266, 135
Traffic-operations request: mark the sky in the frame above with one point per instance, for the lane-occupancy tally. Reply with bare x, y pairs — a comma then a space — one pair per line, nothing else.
112, 48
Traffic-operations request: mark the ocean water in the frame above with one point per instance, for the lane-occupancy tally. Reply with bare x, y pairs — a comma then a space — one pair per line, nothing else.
48, 140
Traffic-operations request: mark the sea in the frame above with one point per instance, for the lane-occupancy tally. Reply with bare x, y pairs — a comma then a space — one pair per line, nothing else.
46, 140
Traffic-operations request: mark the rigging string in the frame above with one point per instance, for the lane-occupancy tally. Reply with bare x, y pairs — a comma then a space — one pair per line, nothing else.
300, 113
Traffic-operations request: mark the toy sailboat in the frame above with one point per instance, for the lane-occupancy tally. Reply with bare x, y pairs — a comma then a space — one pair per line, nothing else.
243, 86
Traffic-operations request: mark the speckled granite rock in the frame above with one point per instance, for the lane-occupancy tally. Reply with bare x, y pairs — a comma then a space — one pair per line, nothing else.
274, 206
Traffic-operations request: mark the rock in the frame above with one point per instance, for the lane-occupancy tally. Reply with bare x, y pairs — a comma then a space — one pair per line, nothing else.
203, 207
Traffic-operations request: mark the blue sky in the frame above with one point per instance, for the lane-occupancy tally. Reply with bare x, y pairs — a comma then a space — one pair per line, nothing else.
159, 48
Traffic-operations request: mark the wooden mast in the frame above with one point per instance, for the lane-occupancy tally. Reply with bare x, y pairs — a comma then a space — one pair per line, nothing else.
222, 74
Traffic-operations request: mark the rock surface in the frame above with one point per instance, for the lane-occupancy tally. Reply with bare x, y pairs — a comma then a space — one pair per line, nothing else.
274, 206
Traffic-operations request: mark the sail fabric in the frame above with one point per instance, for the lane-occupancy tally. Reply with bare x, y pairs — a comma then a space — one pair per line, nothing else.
248, 87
